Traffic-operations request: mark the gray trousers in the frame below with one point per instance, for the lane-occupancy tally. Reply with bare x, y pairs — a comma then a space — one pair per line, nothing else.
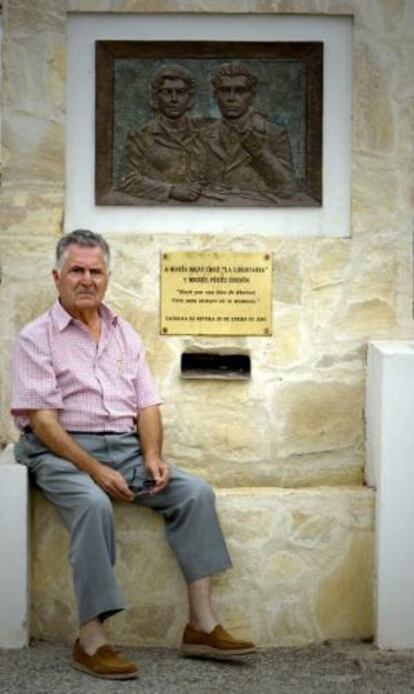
186, 504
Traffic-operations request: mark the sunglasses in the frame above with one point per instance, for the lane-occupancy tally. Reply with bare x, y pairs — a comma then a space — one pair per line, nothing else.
140, 486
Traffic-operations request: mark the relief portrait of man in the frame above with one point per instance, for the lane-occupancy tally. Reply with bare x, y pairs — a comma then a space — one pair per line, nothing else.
250, 157
166, 158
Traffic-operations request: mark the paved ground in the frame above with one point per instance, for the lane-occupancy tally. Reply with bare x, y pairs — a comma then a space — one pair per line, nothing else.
341, 667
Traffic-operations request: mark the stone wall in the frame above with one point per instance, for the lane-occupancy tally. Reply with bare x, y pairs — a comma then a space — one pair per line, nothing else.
299, 421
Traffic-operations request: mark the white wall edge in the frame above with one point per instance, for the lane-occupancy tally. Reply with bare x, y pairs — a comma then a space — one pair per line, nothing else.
14, 552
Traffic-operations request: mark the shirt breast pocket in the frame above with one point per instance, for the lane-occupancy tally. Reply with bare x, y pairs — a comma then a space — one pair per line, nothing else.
126, 369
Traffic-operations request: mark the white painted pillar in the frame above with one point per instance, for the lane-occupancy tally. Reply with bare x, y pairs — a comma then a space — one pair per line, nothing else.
390, 468
14, 552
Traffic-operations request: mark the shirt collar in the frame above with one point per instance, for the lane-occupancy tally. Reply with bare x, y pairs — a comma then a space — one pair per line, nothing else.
161, 126
62, 318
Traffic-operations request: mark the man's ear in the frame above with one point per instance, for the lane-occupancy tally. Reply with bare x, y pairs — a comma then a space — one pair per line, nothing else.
55, 275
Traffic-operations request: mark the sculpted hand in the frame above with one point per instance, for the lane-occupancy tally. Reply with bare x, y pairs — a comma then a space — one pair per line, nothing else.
253, 142
253, 138
160, 472
112, 483
186, 192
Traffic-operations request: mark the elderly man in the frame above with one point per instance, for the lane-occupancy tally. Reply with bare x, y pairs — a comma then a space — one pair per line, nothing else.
165, 159
251, 157
88, 410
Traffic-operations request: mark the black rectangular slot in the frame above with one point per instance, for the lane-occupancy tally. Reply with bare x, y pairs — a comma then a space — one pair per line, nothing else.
215, 365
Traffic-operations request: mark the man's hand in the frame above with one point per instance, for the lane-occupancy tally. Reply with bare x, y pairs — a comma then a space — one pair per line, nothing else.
46, 426
159, 472
112, 483
253, 142
186, 192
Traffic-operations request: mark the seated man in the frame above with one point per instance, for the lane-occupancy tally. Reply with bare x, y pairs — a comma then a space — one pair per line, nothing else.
91, 432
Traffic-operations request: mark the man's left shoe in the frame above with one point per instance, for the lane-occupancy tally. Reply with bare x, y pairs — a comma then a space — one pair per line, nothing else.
218, 644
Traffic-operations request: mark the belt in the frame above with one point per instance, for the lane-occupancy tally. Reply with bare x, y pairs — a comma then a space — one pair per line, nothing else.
29, 430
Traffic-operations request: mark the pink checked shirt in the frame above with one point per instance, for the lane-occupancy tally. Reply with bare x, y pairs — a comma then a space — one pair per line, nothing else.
56, 365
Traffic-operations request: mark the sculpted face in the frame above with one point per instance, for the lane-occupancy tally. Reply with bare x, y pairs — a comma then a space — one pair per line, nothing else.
234, 96
83, 279
173, 98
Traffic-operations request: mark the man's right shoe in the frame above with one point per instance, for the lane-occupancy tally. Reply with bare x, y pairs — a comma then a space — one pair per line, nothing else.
217, 644
105, 663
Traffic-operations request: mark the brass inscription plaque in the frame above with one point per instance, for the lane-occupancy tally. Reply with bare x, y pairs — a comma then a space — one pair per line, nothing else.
216, 293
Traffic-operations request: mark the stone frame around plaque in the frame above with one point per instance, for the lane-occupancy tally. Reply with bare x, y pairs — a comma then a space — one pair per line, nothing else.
331, 219
288, 104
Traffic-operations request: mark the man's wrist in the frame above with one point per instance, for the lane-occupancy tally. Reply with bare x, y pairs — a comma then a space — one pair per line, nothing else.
150, 461
92, 467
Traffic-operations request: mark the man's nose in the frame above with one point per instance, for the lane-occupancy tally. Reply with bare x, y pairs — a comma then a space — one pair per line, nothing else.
86, 277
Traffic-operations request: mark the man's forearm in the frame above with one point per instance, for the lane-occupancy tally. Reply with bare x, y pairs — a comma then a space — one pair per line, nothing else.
47, 428
149, 428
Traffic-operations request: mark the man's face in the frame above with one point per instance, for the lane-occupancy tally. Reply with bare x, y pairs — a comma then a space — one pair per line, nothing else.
173, 98
83, 279
234, 96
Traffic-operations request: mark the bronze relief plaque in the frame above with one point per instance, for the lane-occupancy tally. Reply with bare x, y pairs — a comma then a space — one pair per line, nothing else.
223, 124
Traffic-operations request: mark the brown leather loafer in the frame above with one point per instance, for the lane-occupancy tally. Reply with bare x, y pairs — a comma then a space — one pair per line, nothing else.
106, 663
218, 644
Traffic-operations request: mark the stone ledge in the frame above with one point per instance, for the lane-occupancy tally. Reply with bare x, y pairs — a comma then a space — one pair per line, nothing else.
303, 569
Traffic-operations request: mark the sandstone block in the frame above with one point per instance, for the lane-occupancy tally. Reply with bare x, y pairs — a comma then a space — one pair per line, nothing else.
318, 416
370, 318
28, 212
288, 345
35, 80
27, 259
321, 310
331, 264
233, 435
375, 269
374, 118
23, 18
33, 149
288, 279
8, 432
341, 358
373, 205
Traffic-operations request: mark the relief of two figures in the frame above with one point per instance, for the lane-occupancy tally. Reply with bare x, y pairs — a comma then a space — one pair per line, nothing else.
240, 158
